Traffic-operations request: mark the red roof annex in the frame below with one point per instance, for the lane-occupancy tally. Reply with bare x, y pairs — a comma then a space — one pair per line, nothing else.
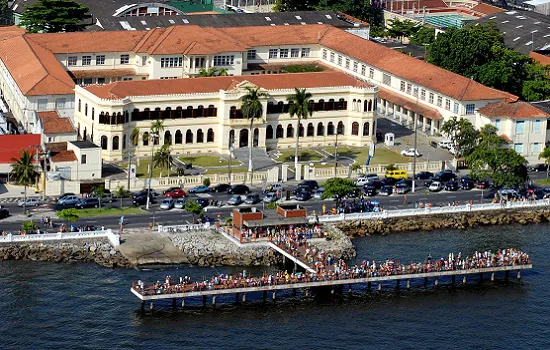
12, 145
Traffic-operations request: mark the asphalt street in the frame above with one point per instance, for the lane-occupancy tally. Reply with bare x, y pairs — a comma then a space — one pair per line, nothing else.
179, 216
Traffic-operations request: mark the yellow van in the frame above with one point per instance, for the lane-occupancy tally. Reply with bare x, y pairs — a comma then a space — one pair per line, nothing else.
397, 174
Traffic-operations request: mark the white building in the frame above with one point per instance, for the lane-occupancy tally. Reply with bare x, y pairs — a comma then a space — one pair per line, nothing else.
55, 128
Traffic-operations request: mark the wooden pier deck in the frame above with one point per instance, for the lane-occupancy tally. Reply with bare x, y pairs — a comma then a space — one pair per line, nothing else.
328, 283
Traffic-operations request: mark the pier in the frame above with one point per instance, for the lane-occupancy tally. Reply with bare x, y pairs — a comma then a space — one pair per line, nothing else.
219, 290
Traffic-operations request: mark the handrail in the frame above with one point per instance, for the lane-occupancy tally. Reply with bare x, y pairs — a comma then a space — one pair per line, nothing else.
113, 238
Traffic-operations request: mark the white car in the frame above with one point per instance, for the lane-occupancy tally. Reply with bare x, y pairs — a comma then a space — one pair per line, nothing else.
435, 186
410, 152
271, 197
319, 193
361, 181
167, 203
180, 203
31, 202
445, 144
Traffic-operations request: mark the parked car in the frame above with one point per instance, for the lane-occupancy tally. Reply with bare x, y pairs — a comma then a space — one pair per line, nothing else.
141, 200
467, 184
310, 183
508, 192
68, 200
354, 193
482, 185
424, 175
167, 203
170, 190
319, 193
375, 183
238, 189
410, 152
4, 213
31, 202
445, 144
106, 197
180, 203
303, 187
446, 175
235, 200
271, 197
537, 167
66, 195
303, 195
200, 189
90, 202
451, 185
273, 188
435, 186
402, 188
175, 193
361, 181
389, 181
220, 188
203, 202
386, 190
144, 192
252, 198
371, 191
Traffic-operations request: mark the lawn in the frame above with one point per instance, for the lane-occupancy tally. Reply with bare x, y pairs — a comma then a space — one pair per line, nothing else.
234, 170
208, 161
303, 156
381, 156
543, 182
142, 170
93, 212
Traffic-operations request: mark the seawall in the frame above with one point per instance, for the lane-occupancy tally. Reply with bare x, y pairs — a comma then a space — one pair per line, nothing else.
360, 228
98, 251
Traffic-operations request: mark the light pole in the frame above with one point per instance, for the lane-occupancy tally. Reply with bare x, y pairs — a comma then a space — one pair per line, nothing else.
336, 153
231, 149
152, 137
414, 154
46, 155
130, 155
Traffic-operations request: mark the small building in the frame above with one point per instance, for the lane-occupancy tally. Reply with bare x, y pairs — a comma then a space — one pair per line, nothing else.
75, 160
12, 145
55, 128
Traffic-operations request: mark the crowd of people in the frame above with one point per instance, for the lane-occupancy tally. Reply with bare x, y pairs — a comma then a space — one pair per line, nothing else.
341, 271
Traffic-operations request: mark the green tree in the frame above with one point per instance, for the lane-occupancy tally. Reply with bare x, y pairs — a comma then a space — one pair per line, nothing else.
360, 9
424, 36
99, 192
337, 188
162, 158
157, 127
462, 135
23, 172
206, 181
70, 214
134, 137
401, 29
28, 226
5, 13
120, 192
536, 86
545, 154
293, 5
213, 72
391, 167
300, 108
53, 16
252, 108
191, 206
503, 165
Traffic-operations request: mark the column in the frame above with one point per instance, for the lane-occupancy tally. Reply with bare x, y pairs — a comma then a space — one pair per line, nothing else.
424, 123
400, 114
386, 106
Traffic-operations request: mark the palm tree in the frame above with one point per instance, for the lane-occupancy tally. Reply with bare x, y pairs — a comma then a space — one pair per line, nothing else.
157, 127
24, 172
252, 108
545, 154
213, 72
134, 141
299, 106
163, 158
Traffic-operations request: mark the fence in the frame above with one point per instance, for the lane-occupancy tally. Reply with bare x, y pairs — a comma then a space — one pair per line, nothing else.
312, 173
429, 211
113, 238
183, 228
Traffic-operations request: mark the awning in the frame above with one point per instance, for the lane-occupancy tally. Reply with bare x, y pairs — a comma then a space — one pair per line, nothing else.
103, 73
275, 221
410, 104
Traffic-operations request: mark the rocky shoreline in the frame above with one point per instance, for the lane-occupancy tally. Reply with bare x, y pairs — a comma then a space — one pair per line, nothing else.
360, 228
98, 251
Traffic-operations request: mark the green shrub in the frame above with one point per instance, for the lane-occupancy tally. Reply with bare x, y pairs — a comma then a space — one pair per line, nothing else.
206, 181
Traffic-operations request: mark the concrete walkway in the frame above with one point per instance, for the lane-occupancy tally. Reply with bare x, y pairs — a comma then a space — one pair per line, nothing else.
149, 248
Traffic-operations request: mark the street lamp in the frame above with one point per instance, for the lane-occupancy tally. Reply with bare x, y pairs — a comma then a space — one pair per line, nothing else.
46, 155
336, 153
152, 137
414, 154
130, 154
231, 149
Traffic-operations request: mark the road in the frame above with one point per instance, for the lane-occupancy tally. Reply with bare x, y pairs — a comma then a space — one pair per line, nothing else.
178, 216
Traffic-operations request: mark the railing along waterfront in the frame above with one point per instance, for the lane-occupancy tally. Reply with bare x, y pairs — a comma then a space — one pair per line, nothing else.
384, 214
113, 238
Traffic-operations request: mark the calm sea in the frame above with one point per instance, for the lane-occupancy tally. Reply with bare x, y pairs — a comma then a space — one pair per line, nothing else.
83, 306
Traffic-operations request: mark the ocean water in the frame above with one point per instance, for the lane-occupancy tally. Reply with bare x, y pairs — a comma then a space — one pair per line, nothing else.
83, 306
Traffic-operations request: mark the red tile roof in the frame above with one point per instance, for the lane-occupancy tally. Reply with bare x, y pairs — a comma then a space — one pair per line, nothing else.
514, 110
542, 59
487, 9
54, 124
12, 145
63, 156
123, 89
505, 138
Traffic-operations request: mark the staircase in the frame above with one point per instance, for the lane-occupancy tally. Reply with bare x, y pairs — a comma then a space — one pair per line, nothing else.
260, 159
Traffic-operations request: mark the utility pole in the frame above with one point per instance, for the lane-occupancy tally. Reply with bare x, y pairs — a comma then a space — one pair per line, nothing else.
152, 139
414, 154
336, 152
130, 155
231, 148
45, 155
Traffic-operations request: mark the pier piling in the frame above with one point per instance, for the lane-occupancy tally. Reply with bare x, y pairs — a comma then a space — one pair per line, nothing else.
293, 292
274, 297
453, 280
507, 276
436, 282
492, 277
151, 306
397, 284
265, 295
204, 300
408, 284
425, 281
143, 304
244, 297
464, 279
369, 286
182, 302
174, 302
519, 275
380, 286
214, 300
481, 278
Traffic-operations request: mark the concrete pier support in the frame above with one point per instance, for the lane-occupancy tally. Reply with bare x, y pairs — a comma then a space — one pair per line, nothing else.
436, 282
151, 306
237, 298
519, 275
214, 300
408, 284
492, 277
453, 280
507, 276
464, 279
274, 297
380, 286
244, 297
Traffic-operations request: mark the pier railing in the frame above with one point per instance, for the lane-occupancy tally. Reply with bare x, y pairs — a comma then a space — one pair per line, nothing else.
430, 211
183, 228
113, 238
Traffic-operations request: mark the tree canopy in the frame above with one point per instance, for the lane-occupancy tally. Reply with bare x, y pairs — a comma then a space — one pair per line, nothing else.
462, 134
478, 52
338, 187
162, 158
300, 108
191, 206
53, 16
23, 170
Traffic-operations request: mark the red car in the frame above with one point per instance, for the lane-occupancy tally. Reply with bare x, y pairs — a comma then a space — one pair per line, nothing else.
482, 185
175, 193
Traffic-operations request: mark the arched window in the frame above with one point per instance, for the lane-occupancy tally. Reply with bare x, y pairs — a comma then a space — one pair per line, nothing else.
330, 129
231, 138
269, 132
301, 130
200, 136
123, 141
256, 137
320, 129
366, 127
369, 106
280, 132
85, 135
103, 142
355, 128
340, 128
374, 127
167, 137
79, 104
178, 138
341, 104
310, 130
353, 106
210, 135
86, 109
289, 131
93, 113
146, 138
189, 136
321, 105
115, 143
359, 105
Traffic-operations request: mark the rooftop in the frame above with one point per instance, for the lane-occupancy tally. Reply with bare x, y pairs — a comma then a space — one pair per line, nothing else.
54, 124
543, 59
12, 145
63, 156
524, 31
84, 144
123, 89
512, 110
